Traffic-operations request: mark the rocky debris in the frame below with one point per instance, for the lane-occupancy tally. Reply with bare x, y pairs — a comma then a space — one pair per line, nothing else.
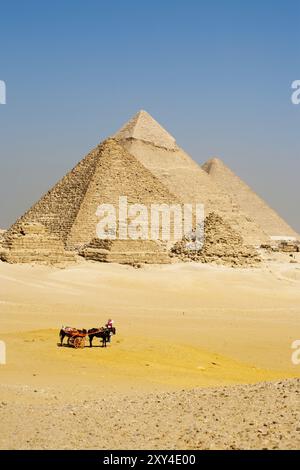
133, 252
31, 242
265, 415
222, 245
282, 246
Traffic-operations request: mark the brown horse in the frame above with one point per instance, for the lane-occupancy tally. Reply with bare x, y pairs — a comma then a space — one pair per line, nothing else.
102, 333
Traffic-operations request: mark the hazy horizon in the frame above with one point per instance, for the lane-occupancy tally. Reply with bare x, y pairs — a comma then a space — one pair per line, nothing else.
217, 77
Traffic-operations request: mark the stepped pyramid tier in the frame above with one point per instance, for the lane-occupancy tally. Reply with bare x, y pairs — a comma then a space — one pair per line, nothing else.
31, 242
252, 205
144, 138
68, 211
222, 245
125, 252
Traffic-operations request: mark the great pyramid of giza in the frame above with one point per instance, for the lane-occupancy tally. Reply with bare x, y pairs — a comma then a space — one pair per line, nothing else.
68, 210
253, 205
157, 150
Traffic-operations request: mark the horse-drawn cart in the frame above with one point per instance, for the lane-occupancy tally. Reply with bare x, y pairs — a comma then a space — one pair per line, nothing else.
76, 337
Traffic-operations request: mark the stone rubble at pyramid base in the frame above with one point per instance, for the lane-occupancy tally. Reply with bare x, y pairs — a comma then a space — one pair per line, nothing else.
125, 252
32, 243
234, 259
37, 257
284, 247
222, 246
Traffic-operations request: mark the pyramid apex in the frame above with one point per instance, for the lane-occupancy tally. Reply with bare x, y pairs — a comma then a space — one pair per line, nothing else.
215, 160
212, 163
145, 128
142, 111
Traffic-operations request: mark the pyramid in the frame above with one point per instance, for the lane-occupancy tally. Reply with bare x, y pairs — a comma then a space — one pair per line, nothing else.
143, 163
68, 210
222, 245
157, 150
257, 209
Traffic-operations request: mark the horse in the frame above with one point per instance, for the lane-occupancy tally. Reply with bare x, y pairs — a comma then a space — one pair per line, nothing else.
68, 332
102, 333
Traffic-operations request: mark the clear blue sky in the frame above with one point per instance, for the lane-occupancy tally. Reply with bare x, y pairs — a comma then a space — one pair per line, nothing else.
216, 73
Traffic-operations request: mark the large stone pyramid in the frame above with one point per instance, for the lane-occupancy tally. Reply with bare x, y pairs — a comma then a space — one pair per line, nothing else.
257, 209
68, 210
143, 163
157, 150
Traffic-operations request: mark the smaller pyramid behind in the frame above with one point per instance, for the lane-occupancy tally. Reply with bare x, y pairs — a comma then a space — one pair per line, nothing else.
157, 150
257, 209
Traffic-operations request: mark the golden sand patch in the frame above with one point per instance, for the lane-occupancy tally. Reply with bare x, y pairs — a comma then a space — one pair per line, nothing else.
35, 358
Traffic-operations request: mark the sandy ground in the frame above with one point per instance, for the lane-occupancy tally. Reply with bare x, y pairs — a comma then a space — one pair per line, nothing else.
184, 332
259, 416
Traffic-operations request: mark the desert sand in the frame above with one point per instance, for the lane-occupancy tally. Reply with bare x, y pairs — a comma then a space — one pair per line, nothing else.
201, 358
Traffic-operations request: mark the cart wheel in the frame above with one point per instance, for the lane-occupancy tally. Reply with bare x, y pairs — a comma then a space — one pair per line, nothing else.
77, 343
